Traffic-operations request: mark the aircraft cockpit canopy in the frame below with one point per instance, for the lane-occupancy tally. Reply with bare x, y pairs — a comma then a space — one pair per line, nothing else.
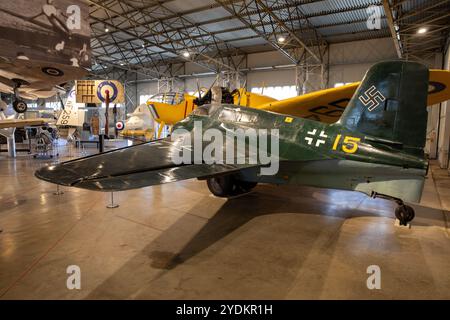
171, 98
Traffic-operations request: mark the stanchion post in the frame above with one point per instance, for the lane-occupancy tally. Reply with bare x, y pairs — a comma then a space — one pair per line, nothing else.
58, 191
112, 205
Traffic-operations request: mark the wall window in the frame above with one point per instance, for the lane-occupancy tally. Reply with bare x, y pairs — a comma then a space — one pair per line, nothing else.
340, 84
277, 92
144, 97
53, 105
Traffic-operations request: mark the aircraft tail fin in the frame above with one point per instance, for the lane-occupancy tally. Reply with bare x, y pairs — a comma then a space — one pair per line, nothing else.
389, 105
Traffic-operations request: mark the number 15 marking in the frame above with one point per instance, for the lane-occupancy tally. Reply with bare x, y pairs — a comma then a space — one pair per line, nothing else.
349, 145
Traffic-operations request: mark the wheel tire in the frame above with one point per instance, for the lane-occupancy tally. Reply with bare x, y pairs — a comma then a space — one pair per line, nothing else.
404, 214
20, 106
246, 186
221, 186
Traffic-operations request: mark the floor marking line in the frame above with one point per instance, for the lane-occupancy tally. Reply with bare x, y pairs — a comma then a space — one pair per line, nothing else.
33, 264
140, 223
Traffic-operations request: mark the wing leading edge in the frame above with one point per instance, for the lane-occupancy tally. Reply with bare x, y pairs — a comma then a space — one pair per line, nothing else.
131, 168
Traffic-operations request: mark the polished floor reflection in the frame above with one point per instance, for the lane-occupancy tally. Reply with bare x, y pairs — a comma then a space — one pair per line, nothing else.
177, 241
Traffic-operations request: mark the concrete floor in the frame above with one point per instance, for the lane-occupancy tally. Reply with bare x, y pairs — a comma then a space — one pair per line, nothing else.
176, 241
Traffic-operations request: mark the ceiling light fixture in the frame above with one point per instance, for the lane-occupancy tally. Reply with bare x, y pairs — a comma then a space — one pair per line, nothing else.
106, 30
186, 54
281, 39
422, 30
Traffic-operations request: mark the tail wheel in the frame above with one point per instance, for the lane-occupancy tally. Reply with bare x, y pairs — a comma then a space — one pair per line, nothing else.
20, 106
221, 186
404, 214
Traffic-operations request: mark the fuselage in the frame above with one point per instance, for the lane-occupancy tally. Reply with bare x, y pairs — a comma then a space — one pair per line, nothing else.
323, 155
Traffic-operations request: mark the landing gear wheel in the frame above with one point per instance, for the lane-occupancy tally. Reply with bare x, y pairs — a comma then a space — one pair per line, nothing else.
404, 214
228, 186
221, 186
20, 106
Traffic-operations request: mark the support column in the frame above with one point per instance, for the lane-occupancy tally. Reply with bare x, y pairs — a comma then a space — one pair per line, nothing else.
230, 79
431, 146
444, 124
11, 142
165, 85
309, 78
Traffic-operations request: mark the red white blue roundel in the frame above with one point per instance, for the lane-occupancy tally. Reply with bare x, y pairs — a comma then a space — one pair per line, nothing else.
120, 125
107, 85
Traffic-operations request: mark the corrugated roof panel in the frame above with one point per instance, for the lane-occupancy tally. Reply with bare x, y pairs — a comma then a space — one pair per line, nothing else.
359, 36
356, 15
236, 34
248, 42
184, 5
350, 28
336, 5
223, 25
207, 15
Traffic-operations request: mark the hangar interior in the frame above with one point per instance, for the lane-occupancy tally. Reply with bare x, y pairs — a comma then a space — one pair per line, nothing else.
176, 240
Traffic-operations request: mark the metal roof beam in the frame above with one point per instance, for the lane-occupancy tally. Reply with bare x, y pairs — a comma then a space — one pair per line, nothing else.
244, 12
393, 28
176, 50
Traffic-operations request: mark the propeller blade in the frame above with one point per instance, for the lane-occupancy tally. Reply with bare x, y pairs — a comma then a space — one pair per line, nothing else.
198, 89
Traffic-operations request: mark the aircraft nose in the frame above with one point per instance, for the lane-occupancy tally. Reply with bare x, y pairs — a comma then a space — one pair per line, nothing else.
58, 174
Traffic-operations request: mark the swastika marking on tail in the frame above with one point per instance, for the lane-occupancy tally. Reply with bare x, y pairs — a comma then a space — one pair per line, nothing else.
372, 98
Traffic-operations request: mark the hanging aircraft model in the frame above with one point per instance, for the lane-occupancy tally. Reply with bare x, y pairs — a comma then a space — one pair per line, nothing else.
44, 46
324, 105
32, 79
376, 147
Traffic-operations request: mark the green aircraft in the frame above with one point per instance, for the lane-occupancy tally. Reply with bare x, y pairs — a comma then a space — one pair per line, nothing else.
376, 147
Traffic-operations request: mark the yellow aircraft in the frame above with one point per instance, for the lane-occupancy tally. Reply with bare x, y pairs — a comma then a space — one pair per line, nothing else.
169, 108
324, 105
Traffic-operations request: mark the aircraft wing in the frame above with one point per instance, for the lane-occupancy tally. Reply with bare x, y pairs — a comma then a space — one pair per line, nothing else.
20, 123
327, 105
132, 167
41, 78
40, 71
324, 105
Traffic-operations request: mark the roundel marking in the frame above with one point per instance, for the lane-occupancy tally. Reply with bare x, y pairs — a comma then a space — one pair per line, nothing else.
120, 125
54, 72
435, 87
107, 85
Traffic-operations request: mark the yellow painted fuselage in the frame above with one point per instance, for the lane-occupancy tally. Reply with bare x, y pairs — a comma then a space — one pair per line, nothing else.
324, 106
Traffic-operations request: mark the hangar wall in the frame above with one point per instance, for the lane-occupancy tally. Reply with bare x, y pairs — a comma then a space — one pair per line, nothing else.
444, 123
347, 63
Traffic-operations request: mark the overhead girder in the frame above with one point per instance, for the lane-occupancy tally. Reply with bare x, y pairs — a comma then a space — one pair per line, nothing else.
154, 32
250, 13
